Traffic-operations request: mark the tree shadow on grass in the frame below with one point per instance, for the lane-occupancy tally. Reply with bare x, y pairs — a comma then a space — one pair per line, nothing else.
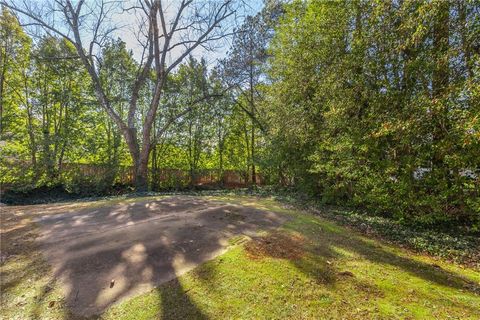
316, 257
176, 303
293, 247
329, 242
102, 247
321, 247
23, 267
320, 262
104, 255
428, 272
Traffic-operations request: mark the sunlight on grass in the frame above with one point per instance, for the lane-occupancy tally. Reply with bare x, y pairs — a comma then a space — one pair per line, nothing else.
309, 269
341, 275
27, 289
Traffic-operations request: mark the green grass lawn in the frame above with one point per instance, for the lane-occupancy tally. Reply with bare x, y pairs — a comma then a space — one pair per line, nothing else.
309, 269
332, 273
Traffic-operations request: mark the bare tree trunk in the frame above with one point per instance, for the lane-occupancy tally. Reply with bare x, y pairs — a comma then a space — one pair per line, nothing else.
252, 104
63, 146
254, 175
3, 64
140, 162
440, 82
154, 158
141, 174
220, 153
247, 144
33, 144
161, 40
30, 129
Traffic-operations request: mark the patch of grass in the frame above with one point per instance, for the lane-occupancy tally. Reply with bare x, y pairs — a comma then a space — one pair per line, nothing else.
456, 243
340, 274
28, 290
311, 268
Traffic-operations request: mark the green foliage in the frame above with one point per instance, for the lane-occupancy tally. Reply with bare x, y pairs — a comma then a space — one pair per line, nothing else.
370, 104
14, 61
58, 126
376, 104
387, 282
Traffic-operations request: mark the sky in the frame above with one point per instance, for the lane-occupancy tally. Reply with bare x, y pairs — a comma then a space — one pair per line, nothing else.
129, 22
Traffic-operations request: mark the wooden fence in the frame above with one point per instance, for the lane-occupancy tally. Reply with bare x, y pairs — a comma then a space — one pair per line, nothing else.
164, 178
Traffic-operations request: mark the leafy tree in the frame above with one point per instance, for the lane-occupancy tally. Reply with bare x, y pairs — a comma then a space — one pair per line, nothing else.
57, 99
14, 64
243, 70
370, 103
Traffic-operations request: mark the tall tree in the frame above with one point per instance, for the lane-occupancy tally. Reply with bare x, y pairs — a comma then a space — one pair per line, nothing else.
244, 69
14, 65
14, 60
56, 102
374, 103
169, 37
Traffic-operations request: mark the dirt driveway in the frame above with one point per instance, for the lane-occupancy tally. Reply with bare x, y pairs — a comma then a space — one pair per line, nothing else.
101, 254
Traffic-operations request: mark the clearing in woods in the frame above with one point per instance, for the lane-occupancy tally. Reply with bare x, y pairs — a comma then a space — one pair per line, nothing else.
214, 257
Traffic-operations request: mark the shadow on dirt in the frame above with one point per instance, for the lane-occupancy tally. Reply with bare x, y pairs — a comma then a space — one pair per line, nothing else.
104, 254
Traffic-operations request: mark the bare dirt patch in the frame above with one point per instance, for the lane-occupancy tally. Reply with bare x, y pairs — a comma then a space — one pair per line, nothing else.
136, 245
17, 234
279, 245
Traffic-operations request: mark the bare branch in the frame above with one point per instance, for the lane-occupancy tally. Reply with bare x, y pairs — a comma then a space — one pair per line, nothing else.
35, 17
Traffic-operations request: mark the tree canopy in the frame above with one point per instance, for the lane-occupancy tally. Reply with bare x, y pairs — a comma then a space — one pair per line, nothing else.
373, 104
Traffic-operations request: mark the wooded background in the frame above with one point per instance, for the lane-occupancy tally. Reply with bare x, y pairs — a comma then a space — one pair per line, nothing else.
371, 104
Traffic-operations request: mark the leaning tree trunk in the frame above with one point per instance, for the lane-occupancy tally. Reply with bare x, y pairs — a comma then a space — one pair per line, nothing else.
139, 159
141, 175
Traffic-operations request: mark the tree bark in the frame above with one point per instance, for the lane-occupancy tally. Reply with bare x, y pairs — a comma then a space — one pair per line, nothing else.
440, 82
141, 174
206, 24
254, 176
220, 153
3, 64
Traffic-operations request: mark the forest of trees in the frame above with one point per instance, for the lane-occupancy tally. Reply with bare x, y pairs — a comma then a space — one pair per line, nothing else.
372, 104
